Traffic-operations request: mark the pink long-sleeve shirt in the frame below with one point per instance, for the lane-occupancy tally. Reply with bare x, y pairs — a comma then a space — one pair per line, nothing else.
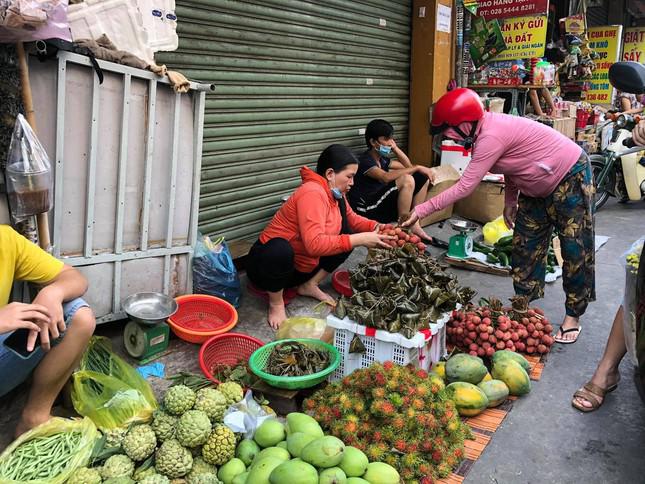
533, 157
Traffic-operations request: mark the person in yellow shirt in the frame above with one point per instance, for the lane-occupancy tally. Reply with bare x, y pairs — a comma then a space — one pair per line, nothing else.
60, 321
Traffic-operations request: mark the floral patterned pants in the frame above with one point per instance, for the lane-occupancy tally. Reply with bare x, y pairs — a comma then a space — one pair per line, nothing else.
568, 211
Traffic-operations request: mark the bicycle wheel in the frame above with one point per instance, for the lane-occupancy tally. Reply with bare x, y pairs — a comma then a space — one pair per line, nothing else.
606, 187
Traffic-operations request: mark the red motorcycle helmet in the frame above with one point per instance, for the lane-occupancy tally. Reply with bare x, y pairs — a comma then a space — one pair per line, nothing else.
458, 106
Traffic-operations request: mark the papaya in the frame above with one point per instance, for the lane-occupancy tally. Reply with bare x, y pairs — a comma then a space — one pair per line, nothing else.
498, 355
469, 399
465, 368
496, 391
511, 372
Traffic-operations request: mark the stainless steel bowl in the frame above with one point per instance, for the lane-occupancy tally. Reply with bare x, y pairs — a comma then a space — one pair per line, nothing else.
463, 225
149, 307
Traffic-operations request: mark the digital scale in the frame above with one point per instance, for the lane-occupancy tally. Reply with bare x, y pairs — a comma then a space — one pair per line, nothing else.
147, 333
460, 246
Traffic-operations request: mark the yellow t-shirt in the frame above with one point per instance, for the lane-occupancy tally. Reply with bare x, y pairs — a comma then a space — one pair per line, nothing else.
21, 260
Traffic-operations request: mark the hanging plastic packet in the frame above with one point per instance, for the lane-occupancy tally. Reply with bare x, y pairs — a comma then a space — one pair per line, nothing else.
631, 261
29, 176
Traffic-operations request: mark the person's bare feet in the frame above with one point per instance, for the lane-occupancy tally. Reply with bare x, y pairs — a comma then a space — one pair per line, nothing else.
568, 323
277, 315
28, 422
313, 290
418, 230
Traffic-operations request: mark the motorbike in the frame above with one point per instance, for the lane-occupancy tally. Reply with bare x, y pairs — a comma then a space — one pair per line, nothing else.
619, 170
630, 77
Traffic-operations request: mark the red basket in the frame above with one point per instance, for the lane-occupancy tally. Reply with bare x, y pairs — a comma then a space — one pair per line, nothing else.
226, 349
340, 282
200, 316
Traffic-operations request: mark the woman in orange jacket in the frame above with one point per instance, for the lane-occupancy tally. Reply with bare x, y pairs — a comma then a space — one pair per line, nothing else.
312, 234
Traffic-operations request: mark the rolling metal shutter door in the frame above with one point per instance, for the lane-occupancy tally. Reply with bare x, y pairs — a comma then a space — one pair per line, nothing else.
291, 78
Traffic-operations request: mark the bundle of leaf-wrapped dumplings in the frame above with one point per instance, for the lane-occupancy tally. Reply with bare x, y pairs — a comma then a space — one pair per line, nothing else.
401, 291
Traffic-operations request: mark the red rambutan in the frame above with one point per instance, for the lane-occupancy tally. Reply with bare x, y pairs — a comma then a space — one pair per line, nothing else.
437, 456
400, 445
388, 365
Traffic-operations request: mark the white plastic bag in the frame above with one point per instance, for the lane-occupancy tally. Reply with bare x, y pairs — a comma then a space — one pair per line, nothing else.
27, 20
631, 261
245, 416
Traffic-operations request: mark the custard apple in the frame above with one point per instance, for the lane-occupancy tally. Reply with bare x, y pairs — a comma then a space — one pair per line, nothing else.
85, 476
154, 479
193, 428
200, 466
208, 478
220, 446
117, 466
213, 402
140, 442
173, 460
140, 473
179, 399
232, 391
163, 425
114, 437
119, 480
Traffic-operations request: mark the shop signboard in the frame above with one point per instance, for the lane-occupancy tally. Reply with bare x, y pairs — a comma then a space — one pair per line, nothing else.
490, 9
634, 45
606, 41
525, 37
486, 40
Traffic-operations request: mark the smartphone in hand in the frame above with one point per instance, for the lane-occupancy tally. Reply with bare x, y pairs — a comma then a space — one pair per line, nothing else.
17, 342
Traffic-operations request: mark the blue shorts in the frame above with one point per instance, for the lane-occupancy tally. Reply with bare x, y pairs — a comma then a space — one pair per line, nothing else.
15, 370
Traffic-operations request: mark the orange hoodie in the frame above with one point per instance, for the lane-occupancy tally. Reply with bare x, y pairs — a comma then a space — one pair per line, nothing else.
310, 221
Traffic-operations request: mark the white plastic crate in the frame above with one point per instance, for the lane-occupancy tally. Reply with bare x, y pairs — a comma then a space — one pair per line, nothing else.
421, 350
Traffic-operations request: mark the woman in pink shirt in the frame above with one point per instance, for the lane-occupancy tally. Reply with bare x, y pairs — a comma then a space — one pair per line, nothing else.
549, 186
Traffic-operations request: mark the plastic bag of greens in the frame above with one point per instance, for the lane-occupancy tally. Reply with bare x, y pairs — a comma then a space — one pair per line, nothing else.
108, 390
49, 453
214, 272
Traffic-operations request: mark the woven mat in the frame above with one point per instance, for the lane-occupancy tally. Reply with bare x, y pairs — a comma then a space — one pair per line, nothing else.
484, 426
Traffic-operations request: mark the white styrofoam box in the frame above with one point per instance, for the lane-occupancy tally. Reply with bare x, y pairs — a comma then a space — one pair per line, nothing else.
421, 350
120, 20
160, 21
455, 155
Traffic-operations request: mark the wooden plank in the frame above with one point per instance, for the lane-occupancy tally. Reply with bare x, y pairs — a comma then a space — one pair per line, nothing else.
475, 265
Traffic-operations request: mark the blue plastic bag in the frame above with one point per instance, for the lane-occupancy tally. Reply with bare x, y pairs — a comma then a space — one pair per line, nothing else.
214, 272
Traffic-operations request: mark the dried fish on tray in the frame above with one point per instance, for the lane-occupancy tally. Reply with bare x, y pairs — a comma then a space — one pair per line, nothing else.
296, 359
401, 291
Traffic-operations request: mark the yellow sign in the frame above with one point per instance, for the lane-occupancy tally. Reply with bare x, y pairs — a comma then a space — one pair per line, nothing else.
634, 45
606, 42
524, 36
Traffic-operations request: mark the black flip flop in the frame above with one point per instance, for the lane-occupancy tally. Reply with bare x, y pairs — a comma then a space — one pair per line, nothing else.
565, 331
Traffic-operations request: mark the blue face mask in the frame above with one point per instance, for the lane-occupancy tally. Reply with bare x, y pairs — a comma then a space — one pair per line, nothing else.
336, 193
385, 150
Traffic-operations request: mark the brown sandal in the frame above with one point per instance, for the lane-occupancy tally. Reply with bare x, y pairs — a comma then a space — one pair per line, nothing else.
593, 394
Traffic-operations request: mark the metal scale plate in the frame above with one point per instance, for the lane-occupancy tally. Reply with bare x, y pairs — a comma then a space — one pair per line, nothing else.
147, 334
460, 246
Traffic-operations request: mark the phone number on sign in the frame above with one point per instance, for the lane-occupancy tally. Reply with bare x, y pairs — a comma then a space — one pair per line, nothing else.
508, 10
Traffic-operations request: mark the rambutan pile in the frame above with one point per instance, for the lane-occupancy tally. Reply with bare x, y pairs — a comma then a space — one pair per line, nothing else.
399, 415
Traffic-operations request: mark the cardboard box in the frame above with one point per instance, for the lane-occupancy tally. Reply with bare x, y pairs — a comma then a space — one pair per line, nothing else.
446, 176
485, 204
566, 126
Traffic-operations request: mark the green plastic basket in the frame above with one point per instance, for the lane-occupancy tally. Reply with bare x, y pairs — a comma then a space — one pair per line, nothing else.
259, 358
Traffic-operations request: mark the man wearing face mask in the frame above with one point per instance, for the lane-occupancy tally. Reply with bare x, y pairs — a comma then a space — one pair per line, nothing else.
551, 178
385, 190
